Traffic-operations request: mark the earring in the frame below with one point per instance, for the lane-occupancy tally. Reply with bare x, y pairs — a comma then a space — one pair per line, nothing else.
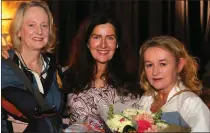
87, 46
117, 46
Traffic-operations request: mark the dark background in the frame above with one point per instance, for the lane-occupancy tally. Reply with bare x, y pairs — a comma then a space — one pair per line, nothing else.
141, 19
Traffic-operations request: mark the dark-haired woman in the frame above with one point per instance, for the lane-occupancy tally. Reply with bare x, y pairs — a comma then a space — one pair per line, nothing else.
102, 70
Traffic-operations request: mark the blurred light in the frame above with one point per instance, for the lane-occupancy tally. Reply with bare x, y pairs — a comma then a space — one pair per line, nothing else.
9, 8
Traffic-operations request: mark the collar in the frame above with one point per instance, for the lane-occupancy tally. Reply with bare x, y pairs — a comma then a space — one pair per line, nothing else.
178, 87
46, 61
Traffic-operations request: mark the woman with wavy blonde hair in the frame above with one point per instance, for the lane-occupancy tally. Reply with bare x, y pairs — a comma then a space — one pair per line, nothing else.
17, 23
33, 38
168, 74
189, 71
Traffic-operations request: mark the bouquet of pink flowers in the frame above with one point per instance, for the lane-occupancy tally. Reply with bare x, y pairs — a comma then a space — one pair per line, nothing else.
135, 120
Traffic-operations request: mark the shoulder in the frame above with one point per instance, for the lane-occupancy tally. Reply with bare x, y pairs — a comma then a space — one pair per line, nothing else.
145, 98
195, 112
74, 100
50, 59
145, 102
9, 77
192, 102
74, 96
6, 69
11, 55
184, 96
189, 96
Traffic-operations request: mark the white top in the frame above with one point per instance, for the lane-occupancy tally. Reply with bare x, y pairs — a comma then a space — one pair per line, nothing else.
193, 110
36, 75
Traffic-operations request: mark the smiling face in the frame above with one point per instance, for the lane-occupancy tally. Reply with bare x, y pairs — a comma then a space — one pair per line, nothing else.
34, 32
102, 43
161, 68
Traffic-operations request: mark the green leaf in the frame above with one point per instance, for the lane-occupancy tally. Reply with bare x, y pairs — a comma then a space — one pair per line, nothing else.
157, 116
110, 112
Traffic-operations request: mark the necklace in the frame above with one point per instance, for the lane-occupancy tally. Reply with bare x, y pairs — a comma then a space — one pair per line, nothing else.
24, 64
103, 77
100, 82
22, 60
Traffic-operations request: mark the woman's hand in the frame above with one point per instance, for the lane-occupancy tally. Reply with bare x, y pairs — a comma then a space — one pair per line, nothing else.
4, 51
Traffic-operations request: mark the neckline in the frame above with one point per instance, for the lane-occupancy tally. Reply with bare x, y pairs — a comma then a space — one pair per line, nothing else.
175, 91
44, 64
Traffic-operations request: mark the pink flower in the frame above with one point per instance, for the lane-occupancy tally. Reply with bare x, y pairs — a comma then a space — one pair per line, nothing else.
153, 128
143, 125
144, 116
122, 120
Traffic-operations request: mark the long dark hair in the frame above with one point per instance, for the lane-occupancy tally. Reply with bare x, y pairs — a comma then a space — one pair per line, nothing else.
121, 71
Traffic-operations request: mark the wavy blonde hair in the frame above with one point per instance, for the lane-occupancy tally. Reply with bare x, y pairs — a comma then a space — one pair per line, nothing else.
188, 74
17, 23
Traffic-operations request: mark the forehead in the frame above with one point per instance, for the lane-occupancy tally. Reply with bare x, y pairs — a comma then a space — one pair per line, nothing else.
157, 53
104, 28
35, 13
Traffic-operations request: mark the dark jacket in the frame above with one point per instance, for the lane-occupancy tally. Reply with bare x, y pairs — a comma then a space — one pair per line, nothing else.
13, 91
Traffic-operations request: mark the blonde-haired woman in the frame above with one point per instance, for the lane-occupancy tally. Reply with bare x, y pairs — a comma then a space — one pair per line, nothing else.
33, 38
168, 75
18, 22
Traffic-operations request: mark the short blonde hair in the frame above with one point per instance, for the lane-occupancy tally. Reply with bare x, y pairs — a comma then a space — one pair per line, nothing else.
17, 23
188, 74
